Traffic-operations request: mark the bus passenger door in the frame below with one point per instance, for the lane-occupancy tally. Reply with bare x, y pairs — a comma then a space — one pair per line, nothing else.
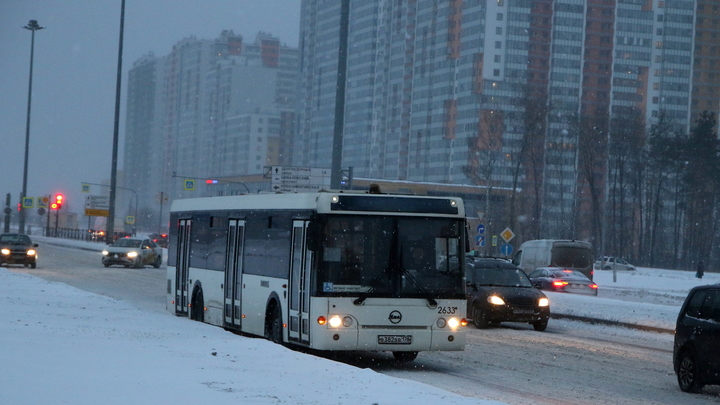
233, 272
182, 263
299, 305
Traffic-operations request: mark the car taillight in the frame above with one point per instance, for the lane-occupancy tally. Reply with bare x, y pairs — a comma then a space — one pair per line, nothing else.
559, 283
593, 286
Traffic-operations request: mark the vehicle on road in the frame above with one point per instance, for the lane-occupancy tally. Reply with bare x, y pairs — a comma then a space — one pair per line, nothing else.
132, 252
498, 291
566, 254
16, 248
562, 280
331, 271
696, 348
613, 263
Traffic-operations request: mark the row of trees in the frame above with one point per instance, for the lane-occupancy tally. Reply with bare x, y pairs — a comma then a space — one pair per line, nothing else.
650, 194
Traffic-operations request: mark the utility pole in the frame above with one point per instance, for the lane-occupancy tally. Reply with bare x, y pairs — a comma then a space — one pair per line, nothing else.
110, 231
336, 169
32, 26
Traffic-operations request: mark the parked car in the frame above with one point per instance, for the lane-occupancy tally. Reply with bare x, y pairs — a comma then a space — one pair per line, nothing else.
498, 291
696, 349
16, 248
135, 252
558, 279
616, 263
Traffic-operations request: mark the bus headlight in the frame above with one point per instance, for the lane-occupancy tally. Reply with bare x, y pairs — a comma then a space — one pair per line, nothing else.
347, 321
441, 323
335, 321
453, 323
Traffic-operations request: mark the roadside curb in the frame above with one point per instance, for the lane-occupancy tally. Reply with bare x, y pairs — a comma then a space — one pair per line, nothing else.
596, 321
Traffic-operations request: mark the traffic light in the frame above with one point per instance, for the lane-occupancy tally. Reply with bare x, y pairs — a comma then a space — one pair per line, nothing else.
57, 204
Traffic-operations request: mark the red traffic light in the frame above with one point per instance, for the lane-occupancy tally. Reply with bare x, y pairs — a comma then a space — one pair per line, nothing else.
58, 202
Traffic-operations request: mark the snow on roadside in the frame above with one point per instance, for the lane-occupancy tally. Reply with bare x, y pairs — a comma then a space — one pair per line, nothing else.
63, 345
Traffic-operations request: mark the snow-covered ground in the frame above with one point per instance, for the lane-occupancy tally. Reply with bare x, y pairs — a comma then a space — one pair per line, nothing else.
61, 345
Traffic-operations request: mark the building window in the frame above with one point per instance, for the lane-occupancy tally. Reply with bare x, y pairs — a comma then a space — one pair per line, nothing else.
500, 16
500, 3
655, 100
496, 72
658, 44
656, 86
498, 30
498, 58
498, 44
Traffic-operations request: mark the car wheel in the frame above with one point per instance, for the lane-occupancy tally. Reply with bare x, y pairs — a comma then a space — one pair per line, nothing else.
138, 262
106, 264
405, 356
479, 318
687, 373
33, 265
540, 326
158, 261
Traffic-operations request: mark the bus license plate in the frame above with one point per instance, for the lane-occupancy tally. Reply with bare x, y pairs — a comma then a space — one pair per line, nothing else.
395, 339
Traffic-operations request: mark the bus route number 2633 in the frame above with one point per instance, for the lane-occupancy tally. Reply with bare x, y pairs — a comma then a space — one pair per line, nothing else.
447, 310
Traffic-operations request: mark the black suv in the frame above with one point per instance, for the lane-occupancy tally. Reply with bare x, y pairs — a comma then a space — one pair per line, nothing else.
498, 291
696, 352
17, 248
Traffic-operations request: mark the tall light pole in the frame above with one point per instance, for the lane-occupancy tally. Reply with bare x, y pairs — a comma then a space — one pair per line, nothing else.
32, 26
110, 231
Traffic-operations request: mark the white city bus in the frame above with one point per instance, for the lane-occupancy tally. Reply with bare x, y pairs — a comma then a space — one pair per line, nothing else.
330, 271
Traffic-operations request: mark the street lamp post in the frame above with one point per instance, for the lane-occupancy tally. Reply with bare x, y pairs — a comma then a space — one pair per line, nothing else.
32, 26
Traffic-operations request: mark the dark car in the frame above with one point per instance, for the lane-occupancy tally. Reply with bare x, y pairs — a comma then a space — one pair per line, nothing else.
135, 252
562, 280
498, 291
17, 248
696, 350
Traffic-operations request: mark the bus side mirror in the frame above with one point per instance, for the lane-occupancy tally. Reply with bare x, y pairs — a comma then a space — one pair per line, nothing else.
313, 236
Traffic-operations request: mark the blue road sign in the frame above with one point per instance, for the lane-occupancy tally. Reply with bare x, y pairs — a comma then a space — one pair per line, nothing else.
506, 249
481, 228
479, 240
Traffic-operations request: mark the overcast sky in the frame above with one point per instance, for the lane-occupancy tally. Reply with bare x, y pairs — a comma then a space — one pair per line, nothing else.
74, 77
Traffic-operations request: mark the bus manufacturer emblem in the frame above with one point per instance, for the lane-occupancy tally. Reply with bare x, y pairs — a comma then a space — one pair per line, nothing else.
395, 317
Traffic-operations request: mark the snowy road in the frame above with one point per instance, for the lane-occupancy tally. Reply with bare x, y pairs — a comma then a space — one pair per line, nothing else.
570, 363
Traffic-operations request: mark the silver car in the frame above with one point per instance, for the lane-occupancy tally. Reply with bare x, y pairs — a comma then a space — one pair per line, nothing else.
617, 263
135, 252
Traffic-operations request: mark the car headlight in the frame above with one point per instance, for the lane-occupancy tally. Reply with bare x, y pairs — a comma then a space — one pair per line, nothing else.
105, 252
31, 252
495, 300
6, 251
132, 254
543, 302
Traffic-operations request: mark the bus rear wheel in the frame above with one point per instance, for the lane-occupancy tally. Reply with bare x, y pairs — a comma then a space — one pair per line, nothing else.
405, 356
196, 309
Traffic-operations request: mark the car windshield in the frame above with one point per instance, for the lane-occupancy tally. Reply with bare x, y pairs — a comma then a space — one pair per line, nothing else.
503, 277
130, 243
15, 239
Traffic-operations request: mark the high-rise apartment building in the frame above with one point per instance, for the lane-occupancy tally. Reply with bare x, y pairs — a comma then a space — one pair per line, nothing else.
208, 109
531, 94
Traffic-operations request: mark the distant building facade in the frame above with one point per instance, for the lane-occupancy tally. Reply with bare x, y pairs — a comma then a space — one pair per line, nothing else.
210, 108
451, 91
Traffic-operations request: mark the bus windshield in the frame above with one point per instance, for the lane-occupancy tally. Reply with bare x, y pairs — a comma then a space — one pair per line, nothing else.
390, 256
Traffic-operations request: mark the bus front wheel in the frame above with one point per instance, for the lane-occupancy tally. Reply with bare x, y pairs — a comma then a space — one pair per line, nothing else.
274, 327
